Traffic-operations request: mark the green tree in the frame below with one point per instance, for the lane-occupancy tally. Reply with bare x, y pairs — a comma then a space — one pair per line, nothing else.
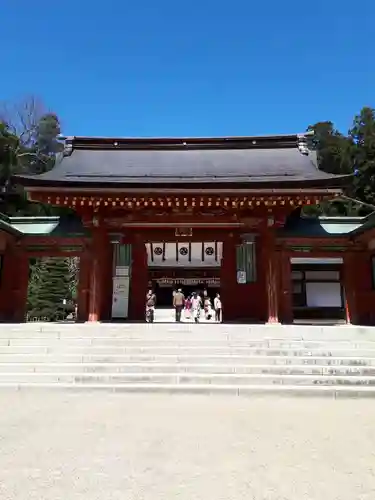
46, 145
49, 286
362, 134
334, 149
29, 144
335, 156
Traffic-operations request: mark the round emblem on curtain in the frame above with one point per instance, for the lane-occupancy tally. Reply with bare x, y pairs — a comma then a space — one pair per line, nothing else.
184, 251
158, 250
209, 251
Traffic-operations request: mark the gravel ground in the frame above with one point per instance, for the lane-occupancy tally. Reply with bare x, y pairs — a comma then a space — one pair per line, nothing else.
56, 445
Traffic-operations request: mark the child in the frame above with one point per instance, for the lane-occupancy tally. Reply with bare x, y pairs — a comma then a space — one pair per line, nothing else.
188, 308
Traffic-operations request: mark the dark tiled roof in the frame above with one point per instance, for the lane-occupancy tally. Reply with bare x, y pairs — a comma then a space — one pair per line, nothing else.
57, 226
281, 160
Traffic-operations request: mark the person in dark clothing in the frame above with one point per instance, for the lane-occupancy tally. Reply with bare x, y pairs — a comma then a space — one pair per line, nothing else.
178, 304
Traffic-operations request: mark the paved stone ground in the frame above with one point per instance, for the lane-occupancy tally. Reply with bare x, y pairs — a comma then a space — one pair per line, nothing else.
101, 446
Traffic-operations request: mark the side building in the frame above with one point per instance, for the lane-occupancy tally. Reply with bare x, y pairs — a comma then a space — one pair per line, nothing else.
217, 213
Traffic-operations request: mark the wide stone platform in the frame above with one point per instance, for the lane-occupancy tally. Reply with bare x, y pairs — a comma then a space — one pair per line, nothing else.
189, 358
103, 446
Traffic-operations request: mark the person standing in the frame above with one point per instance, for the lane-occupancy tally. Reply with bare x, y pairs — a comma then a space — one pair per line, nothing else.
150, 306
196, 302
207, 307
178, 304
218, 308
188, 308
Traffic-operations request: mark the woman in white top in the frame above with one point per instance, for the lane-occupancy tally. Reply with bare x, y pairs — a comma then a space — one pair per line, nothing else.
196, 306
217, 307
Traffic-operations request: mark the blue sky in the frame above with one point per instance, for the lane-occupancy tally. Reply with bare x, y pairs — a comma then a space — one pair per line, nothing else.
197, 68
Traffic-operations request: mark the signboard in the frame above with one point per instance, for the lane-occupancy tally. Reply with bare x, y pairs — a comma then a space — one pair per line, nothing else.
241, 277
183, 231
214, 282
122, 271
316, 260
120, 297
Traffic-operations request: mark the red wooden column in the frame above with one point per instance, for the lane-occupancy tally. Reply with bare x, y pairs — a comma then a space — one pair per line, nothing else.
139, 279
107, 270
286, 295
351, 286
15, 282
98, 255
84, 285
9, 272
20, 298
272, 275
364, 290
228, 279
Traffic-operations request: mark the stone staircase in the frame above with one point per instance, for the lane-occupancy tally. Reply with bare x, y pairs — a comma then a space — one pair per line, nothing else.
204, 358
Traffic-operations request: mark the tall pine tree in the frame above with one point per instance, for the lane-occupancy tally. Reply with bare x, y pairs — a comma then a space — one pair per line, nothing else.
363, 137
334, 149
49, 287
29, 144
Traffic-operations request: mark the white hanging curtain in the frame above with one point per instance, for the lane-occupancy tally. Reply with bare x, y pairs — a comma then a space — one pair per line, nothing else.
184, 254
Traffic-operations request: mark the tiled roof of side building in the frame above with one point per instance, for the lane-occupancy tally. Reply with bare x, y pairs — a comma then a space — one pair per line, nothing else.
57, 226
321, 227
104, 162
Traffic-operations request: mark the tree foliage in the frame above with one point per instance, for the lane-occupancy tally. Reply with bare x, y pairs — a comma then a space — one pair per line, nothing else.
351, 153
29, 144
51, 288
334, 148
362, 135
9, 147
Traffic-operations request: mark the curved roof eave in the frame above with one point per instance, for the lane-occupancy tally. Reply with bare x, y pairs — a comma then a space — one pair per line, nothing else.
329, 182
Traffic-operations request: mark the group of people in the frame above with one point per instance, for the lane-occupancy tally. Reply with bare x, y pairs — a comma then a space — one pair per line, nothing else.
191, 306
196, 304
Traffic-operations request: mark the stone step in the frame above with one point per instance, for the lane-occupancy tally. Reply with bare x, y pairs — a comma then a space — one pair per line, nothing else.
208, 389
155, 378
185, 330
188, 331
71, 348
229, 359
207, 368
115, 342
183, 358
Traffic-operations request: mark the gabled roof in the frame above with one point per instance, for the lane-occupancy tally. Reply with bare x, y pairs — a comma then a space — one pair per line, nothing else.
282, 161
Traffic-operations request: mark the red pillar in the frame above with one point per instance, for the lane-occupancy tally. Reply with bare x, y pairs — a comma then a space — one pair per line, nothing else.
272, 275
286, 295
350, 286
20, 299
7, 277
139, 280
14, 284
228, 279
84, 285
98, 254
107, 270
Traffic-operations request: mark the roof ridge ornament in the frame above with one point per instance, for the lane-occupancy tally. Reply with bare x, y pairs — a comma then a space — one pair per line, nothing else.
303, 144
